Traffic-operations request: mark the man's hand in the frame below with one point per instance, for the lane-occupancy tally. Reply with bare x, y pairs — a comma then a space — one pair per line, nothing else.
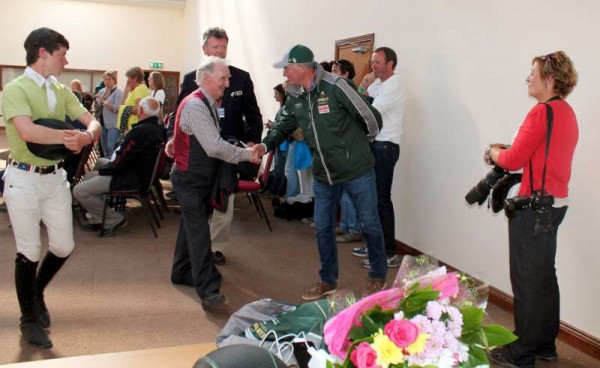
170, 148
366, 82
256, 153
75, 140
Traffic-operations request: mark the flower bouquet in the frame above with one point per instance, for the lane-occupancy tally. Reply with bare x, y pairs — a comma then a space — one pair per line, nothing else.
425, 323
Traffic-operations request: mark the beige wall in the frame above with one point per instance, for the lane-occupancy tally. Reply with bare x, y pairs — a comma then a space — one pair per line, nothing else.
464, 63
110, 35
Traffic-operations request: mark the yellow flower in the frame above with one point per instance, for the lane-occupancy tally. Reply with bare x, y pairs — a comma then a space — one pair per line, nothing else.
419, 344
387, 352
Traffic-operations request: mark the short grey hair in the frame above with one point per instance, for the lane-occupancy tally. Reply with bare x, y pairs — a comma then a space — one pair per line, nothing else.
150, 105
207, 66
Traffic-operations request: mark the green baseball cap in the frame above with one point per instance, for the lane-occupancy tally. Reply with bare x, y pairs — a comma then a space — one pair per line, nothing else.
297, 54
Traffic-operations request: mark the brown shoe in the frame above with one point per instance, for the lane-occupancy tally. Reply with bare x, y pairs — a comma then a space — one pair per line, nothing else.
374, 286
318, 290
349, 238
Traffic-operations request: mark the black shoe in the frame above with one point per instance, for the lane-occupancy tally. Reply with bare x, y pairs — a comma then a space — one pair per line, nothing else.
218, 258
500, 357
113, 230
90, 227
213, 300
551, 357
35, 335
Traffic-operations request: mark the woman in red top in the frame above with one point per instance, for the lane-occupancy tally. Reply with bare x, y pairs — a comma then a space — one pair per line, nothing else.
533, 253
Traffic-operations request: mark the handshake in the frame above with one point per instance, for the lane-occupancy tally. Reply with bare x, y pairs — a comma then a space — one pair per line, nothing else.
256, 152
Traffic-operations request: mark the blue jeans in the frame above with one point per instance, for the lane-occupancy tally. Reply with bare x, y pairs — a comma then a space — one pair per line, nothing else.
348, 221
109, 139
364, 195
386, 155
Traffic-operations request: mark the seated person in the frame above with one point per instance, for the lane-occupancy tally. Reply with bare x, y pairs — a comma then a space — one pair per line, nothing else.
130, 168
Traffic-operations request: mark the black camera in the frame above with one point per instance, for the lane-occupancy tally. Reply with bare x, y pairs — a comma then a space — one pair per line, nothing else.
482, 190
511, 205
540, 202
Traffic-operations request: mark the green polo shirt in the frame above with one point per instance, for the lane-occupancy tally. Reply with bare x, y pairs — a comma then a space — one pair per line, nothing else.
23, 97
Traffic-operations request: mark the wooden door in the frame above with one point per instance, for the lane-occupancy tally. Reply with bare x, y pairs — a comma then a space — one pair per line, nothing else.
358, 50
171, 88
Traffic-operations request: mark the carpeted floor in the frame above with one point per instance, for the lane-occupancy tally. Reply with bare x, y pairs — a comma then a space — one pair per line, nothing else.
114, 294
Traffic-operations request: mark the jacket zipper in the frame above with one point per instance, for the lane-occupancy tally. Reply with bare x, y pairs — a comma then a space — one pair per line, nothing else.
312, 122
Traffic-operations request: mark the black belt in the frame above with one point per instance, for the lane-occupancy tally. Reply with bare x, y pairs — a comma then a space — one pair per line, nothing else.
36, 169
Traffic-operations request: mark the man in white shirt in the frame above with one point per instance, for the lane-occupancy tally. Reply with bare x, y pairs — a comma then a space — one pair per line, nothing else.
387, 91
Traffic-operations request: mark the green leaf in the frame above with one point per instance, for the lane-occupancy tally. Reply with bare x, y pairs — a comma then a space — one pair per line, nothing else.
498, 335
477, 356
471, 338
417, 300
472, 318
356, 333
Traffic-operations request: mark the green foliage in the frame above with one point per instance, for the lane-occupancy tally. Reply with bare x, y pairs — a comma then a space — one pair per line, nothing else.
498, 335
472, 318
477, 357
416, 301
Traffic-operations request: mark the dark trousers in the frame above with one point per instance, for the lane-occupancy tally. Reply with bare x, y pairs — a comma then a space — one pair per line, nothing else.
386, 155
278, 186
534, 285
192, 263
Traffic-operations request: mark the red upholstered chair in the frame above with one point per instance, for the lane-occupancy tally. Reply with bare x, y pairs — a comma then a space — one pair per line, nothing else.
254, 188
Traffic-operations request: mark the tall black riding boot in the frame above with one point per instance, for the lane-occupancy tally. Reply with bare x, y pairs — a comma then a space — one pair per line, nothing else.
31, 330
50, 266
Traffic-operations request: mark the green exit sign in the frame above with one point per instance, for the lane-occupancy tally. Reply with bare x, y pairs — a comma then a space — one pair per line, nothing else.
155, 65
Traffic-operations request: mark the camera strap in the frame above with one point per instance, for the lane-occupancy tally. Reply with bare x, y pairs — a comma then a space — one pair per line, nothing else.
549, 122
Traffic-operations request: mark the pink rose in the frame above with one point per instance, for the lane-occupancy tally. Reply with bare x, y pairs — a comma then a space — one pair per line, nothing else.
363, 356
447, 285
402, 333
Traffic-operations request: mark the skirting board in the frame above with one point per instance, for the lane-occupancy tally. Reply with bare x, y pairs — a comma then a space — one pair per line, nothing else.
579, 339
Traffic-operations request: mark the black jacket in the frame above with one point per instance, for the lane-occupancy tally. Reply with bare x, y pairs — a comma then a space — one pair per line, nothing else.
243, 120
135, 156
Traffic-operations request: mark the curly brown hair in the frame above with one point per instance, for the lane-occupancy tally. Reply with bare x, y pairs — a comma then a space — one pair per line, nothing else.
560, 67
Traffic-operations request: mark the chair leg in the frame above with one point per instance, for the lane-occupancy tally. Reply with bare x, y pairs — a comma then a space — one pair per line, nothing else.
150, 215
161, 195
156, 204
146, 202
255, 201
262, 209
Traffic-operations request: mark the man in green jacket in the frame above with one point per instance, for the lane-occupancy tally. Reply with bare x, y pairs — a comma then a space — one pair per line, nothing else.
338, 126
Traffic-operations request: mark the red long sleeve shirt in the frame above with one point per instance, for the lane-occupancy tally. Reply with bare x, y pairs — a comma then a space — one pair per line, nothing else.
530, 144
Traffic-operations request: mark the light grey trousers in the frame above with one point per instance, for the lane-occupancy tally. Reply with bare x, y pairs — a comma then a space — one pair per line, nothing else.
89, 194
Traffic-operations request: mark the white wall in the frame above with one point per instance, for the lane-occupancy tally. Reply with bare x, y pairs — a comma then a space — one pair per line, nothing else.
464, 63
